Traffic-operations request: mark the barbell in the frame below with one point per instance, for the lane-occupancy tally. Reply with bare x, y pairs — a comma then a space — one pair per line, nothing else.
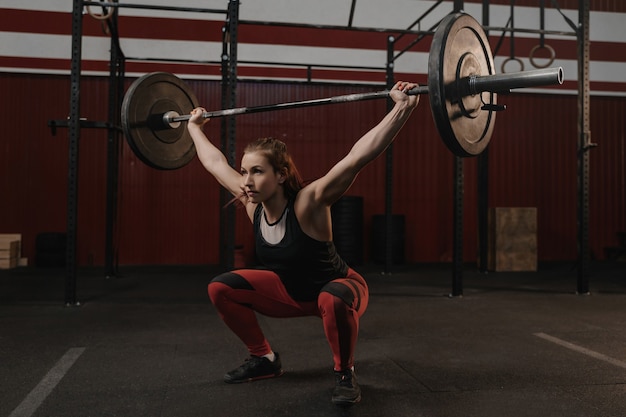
462, 88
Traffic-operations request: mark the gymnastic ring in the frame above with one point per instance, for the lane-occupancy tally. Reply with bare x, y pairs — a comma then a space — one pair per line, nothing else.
531, 55
101, 16
521, 64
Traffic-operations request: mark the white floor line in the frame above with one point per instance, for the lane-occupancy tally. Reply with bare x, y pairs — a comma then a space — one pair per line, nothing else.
34, 399
582, 350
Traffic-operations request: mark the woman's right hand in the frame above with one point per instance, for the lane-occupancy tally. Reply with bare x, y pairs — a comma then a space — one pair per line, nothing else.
399, 90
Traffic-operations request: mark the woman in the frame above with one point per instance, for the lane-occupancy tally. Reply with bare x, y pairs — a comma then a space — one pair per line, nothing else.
303, 275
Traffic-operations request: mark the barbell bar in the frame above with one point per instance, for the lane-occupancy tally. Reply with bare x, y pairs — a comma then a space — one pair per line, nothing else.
498, 83
462, 89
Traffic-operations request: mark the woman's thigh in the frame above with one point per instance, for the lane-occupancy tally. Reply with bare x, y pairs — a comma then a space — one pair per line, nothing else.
264, 292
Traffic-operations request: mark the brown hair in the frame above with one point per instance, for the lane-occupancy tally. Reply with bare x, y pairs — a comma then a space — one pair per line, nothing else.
276, 153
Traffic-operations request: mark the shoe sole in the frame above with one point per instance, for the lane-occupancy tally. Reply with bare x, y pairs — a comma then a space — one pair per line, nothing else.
346, 402
258, 378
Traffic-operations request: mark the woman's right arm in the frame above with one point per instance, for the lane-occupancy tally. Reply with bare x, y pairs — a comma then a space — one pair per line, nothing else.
211, 157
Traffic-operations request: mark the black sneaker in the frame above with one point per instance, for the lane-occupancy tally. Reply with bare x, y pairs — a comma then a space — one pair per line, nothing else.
256, 367
347, 391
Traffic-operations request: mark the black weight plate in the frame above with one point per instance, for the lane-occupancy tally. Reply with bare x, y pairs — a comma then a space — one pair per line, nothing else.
460, 49
155, 143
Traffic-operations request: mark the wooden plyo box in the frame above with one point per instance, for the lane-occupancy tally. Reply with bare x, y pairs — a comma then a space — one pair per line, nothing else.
10, 249
512, 239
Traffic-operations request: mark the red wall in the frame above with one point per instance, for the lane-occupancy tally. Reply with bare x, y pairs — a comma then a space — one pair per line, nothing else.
172, 217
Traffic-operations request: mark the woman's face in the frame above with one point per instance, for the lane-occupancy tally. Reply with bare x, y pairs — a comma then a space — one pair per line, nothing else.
259, 180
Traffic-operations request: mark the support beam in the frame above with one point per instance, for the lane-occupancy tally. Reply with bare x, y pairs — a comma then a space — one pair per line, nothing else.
584, 147
483, 186
74, 140
457, 250
116, 93
389, 167
228, 131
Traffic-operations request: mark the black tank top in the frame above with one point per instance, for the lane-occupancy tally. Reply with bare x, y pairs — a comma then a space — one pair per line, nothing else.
303, 264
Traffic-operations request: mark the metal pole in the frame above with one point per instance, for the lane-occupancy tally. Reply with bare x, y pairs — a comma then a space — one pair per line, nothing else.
116, 91
457, 252
74, 140
229, 100
483, 186
584, 146
389, 168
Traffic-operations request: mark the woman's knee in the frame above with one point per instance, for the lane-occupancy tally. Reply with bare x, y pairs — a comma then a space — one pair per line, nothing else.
226, 282
346, 292
329, 305
335, 302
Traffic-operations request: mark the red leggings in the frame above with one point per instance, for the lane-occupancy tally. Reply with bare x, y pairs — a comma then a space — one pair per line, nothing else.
239, 294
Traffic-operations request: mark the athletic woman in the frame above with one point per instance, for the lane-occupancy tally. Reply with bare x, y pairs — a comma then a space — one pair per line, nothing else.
301, 273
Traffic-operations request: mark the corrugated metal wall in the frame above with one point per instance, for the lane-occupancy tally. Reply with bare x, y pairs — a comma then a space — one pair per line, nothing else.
172, 217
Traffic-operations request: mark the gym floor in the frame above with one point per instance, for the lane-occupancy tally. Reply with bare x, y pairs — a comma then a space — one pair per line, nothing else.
149, 343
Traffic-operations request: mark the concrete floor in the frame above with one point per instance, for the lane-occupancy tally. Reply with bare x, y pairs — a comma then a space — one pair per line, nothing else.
149, 343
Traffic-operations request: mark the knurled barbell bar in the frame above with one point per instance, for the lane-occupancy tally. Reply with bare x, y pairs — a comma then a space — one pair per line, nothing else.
462, 89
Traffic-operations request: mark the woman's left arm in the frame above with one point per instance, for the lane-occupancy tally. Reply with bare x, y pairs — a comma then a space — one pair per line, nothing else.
329, 188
